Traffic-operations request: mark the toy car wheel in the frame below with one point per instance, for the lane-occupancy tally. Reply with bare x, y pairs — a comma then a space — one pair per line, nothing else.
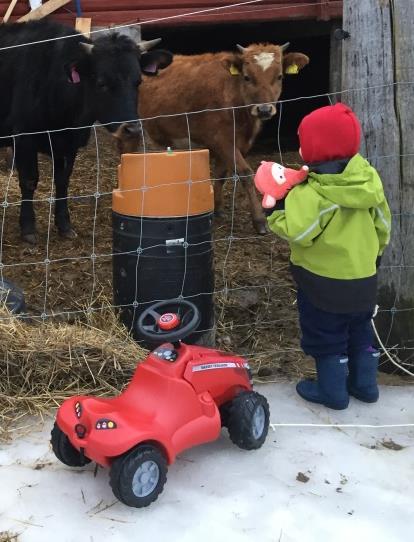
224, 414
248, 420
138, 477
64, 451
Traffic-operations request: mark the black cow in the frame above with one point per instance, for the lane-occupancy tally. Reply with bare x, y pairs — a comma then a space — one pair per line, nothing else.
64, 83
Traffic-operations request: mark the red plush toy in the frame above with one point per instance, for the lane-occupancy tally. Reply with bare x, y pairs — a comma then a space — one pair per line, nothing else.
274, 181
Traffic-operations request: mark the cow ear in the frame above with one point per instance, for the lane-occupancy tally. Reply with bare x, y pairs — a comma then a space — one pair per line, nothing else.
233, 65
156, 60
293, 62
72, 72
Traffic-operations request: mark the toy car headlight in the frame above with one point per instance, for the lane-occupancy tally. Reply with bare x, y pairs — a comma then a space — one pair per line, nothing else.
78, 409
105, 424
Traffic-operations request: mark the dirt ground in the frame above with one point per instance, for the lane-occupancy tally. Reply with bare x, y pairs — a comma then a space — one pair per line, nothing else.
257, 318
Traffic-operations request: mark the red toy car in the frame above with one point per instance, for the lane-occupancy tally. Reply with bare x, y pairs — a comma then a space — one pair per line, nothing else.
180, 396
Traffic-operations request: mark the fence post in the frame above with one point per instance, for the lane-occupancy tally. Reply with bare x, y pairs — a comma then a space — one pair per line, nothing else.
377, 64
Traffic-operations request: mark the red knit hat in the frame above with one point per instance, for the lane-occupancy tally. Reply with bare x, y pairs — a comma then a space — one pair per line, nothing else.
329, 133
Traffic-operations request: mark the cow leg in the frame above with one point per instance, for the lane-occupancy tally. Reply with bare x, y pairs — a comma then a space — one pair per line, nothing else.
246, 175
218, 198
256, 210
219, 173
63, 171
27, 167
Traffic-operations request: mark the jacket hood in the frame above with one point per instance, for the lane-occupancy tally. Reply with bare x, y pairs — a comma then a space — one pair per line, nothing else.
329, 133
357, 187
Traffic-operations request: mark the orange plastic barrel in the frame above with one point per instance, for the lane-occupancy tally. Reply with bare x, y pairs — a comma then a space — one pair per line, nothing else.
164, 184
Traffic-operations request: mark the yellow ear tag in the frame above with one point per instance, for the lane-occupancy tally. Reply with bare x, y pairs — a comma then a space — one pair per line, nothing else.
234, 70
293, 69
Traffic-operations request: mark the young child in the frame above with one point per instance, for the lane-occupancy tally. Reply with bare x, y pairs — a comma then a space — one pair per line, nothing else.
337, 224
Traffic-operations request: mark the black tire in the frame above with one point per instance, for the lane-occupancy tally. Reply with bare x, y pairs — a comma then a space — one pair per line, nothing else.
248, 420
126, 467
64, 451
224, 414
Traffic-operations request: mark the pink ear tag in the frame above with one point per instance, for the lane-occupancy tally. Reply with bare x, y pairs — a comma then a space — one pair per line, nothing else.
74, 75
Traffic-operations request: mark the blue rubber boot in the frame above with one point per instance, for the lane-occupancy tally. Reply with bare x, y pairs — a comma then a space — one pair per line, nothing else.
362, 381
330, 389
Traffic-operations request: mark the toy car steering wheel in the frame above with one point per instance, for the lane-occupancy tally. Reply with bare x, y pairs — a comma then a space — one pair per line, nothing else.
168, 321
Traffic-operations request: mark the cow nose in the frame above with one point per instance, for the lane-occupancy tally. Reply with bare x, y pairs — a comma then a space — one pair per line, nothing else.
265, 111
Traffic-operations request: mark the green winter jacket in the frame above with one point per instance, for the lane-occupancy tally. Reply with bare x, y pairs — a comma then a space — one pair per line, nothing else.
336, 224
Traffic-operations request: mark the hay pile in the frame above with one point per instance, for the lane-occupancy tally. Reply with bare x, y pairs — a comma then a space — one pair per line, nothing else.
41, 364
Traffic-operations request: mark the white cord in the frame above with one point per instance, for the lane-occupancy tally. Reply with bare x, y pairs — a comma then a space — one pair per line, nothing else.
391, 358
349, 425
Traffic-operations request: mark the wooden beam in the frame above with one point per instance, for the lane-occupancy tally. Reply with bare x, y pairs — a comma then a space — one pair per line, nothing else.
83, 25
43, 10
402, 14
9, 11
377, 62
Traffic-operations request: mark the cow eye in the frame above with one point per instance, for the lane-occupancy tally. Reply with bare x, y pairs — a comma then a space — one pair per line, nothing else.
246, 78
279, 77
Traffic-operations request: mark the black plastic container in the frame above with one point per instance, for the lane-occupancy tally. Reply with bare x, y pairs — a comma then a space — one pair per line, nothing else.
161, 259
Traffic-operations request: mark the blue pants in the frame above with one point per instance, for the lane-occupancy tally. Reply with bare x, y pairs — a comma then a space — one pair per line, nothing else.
325, 333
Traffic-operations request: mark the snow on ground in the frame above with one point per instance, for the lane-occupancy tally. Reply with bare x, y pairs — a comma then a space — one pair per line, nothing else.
307, 484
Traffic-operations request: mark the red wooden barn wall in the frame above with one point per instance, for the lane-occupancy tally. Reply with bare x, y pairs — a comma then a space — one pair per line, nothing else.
106, 12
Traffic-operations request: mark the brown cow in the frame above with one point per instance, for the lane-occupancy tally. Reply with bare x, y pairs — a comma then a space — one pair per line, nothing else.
249, 80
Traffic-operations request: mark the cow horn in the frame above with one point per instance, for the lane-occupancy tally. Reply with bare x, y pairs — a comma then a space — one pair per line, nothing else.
145, 46
87, 47
285, 46
241, 48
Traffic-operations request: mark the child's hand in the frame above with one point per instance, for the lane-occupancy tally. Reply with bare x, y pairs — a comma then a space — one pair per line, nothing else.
274, 181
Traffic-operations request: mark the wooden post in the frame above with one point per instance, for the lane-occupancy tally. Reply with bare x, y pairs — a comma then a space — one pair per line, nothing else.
377, 65
9, 11
403, 16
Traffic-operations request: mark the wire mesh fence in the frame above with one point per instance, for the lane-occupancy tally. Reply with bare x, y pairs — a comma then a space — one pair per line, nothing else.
66, 278
254, 294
